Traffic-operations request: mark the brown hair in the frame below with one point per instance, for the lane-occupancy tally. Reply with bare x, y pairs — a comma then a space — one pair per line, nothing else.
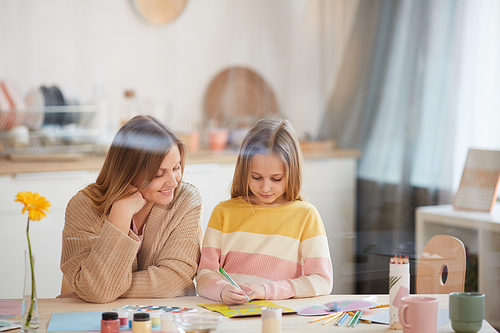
269, 136
138, 148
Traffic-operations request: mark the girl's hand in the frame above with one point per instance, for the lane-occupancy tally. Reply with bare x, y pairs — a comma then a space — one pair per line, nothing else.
122, 210
232, 295
254, 291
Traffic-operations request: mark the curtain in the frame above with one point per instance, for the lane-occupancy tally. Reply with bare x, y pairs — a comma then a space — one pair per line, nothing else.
395, 101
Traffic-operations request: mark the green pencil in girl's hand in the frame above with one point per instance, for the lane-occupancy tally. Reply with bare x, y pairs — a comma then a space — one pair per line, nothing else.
223, 272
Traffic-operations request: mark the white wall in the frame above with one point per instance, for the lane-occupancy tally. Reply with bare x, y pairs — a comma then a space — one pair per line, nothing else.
94, 50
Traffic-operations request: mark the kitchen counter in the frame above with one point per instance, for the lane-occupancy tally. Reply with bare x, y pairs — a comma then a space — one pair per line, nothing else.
69, 162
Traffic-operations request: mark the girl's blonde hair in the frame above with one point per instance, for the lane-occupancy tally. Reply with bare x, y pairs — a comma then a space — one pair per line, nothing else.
270, 136
138, 148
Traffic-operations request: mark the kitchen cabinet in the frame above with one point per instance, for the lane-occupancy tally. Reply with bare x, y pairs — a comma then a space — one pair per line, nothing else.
46, 234
329, 184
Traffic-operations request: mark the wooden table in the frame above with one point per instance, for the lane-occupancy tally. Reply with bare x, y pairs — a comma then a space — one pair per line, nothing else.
290, 323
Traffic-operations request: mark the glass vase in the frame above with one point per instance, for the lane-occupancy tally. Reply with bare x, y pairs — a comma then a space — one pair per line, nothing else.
29, 319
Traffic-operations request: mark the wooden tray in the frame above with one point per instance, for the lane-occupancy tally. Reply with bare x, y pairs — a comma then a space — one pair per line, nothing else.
239, 94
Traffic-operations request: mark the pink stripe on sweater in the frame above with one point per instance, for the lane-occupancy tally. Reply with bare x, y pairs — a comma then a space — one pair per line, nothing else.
264, 266
318, 265
209, 258
261, 265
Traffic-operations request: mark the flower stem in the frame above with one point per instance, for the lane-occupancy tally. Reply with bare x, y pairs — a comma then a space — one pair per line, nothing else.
30, 313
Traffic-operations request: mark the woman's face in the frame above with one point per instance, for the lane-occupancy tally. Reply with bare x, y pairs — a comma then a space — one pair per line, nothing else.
161, 189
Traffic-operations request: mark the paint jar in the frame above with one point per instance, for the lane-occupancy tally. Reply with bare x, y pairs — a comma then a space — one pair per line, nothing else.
141, 323
155, 318
123, 318
271, 320
110, 322
167, 323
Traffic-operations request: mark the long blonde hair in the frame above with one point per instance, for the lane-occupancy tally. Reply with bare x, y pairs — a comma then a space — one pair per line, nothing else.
270, 136
138, 148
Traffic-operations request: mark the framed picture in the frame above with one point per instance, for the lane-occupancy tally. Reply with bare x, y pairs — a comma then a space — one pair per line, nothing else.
479, 184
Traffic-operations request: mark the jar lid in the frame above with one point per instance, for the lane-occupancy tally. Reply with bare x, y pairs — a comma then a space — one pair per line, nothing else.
141, 316
122, 314
109, 315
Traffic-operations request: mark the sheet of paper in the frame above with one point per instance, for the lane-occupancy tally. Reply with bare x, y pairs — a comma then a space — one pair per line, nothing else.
6, 325
10, 308
244, 310
330, 307
75, 321
383, 317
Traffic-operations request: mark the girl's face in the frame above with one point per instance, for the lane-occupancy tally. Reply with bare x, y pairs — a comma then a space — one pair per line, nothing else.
161, 189
267, 180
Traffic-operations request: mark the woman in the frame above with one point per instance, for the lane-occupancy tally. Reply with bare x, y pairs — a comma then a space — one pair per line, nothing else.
136, 231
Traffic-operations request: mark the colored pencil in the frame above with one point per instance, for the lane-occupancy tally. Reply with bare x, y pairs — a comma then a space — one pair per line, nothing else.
363, 320
352, 319
332, 318
323, 317
223, 272
380, 306
341, 320
357, 318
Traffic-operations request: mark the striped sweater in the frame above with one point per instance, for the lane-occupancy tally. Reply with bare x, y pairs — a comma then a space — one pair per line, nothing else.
284, 248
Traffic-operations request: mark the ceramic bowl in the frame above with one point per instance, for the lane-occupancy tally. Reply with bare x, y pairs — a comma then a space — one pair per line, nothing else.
197, 322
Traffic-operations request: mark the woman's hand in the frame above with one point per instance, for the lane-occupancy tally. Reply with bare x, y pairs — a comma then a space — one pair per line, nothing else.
254, 291
232, 295
122, 210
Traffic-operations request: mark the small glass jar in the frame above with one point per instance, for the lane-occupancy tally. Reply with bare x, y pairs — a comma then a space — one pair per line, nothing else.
167, 323
155, 318
110, 322
141, 323
123, 317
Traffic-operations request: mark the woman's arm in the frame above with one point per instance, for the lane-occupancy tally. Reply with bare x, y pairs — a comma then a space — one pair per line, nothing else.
174, 267
96, 258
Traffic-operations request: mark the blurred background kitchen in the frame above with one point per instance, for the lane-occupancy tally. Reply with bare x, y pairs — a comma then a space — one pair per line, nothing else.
387, 96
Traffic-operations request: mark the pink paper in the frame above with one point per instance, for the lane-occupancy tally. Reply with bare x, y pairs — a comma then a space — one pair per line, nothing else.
10, 308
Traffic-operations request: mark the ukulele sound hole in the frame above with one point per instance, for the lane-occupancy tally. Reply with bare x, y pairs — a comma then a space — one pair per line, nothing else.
444, 274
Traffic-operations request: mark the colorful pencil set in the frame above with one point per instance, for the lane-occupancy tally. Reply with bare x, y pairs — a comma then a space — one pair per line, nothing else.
341, 316
399, 260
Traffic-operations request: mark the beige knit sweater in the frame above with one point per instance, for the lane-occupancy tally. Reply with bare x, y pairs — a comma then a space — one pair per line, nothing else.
101, 263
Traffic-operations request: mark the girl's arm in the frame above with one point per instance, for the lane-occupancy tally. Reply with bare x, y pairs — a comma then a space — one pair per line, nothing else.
209, 282
317, 278
318, 274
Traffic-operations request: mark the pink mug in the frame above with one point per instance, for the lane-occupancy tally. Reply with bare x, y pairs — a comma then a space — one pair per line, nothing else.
418, 314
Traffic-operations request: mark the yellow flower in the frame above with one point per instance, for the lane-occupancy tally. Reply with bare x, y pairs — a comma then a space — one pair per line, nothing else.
35, 204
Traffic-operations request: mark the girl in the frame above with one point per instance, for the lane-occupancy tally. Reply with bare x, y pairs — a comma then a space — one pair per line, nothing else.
135, 232
270, 241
